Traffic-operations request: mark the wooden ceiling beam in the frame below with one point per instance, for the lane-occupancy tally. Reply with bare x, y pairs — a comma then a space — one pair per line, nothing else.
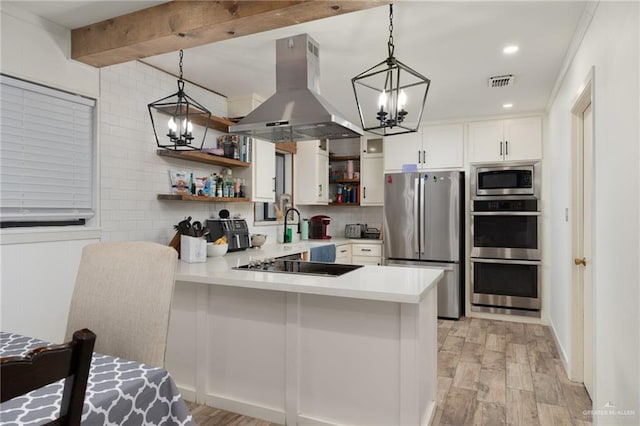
176, 25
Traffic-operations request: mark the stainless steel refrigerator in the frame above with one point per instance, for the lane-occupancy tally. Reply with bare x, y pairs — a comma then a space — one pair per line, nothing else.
424, 227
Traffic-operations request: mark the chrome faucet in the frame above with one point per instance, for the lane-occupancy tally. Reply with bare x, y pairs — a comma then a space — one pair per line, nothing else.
286, 213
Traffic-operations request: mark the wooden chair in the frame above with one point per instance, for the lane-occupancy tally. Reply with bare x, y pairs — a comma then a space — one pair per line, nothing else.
48, 364
123, 293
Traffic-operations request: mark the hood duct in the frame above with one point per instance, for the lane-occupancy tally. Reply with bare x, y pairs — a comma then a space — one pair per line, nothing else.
296, 111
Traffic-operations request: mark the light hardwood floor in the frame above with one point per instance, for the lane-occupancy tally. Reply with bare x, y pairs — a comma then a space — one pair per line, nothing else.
489, 373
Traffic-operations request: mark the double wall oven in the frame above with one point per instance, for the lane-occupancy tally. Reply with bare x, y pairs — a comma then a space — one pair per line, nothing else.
505, 229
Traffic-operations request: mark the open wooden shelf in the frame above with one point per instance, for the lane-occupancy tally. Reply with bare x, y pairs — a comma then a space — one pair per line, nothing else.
218, 123
345, 181
344, 157
202, 157
186, 197
344, 204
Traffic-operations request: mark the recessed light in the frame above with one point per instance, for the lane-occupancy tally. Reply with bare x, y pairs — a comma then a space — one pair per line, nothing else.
507, 105
510, 50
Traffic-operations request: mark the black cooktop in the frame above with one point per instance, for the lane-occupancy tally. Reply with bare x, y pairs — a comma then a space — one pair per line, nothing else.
299, 267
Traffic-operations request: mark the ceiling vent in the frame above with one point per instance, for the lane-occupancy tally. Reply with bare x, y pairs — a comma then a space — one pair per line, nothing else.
501, 80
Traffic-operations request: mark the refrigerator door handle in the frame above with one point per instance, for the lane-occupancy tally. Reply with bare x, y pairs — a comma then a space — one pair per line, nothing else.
422, 212
416, 212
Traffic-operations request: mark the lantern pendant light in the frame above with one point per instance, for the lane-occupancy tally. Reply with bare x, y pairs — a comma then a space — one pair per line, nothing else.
187, 121
390, 96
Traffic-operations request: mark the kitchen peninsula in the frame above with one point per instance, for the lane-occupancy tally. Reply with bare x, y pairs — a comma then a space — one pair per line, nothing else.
357, 349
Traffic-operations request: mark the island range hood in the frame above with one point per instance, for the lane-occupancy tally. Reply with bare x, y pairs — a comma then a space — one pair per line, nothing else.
296, 111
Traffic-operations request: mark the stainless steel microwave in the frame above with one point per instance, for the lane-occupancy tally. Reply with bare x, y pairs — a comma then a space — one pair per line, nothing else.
504, 179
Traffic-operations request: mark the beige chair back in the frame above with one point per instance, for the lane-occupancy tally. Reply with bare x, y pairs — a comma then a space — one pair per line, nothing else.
123, 293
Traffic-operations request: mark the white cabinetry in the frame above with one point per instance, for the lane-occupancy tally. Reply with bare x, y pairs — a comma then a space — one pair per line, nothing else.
366, 254
311, 181
505, 140
343, 253
431, 147
263, 176
443, 146
372, 172
402, 149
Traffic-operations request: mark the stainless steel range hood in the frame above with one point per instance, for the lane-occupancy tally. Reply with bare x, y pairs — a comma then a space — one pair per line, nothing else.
296, 111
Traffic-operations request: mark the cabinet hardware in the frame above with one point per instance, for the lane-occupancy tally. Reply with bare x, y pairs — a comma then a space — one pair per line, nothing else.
320, 190
364, 192
506, 147
424, 156
580, 261
419, 161
500, 148
274, 185
365, 249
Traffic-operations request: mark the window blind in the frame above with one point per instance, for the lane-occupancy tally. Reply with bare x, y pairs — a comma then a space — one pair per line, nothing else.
46, 153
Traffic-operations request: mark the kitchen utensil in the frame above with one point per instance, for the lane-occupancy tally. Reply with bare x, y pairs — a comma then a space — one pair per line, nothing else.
184, 226
196, 229
258, 240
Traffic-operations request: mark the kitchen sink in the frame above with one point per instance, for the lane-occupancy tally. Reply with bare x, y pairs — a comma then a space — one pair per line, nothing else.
299, 267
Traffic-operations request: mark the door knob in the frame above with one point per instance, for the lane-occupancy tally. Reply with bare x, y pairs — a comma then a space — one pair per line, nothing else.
580, 261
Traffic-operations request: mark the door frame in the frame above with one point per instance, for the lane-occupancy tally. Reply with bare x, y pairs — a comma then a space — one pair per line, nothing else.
583, 99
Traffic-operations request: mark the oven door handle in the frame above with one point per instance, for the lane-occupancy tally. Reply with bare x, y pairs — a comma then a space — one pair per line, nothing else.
506, 213
506, 261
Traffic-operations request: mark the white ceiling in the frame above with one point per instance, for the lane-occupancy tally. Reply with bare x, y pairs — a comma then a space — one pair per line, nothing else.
458, 45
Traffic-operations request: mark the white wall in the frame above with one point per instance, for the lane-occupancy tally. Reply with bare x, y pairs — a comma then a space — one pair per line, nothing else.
39, 266
611, 46
38, 50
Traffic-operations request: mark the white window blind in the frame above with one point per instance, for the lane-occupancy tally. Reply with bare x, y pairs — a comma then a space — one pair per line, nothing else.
46, 153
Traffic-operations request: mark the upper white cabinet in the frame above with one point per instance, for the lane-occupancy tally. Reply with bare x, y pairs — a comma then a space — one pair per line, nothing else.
311, 176
372, 171
402, 149
263, 176
431, 147
443, 146
505, 140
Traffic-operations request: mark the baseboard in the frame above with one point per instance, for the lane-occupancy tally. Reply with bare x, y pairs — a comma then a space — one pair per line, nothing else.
246, 408
188, 394
428, 414
561, 352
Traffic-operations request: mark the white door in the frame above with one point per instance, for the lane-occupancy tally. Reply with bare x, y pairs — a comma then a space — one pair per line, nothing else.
587, 278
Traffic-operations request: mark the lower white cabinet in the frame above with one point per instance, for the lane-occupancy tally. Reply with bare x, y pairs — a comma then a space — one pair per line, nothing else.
366, 254
343, 253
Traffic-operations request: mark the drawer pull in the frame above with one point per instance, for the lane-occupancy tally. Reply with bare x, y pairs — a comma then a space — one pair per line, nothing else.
365, 249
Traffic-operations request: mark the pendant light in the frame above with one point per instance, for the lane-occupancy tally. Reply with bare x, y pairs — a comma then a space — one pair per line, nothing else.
390, 96
186, 120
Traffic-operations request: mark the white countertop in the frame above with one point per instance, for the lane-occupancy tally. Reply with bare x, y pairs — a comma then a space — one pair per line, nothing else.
385, 283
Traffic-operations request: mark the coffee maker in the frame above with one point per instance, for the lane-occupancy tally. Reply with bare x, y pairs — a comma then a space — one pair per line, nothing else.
318, 227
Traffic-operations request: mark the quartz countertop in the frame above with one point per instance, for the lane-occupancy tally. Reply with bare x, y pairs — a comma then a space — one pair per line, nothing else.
385, 283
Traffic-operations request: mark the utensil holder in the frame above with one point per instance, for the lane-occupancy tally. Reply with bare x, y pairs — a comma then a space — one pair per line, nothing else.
192, 249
